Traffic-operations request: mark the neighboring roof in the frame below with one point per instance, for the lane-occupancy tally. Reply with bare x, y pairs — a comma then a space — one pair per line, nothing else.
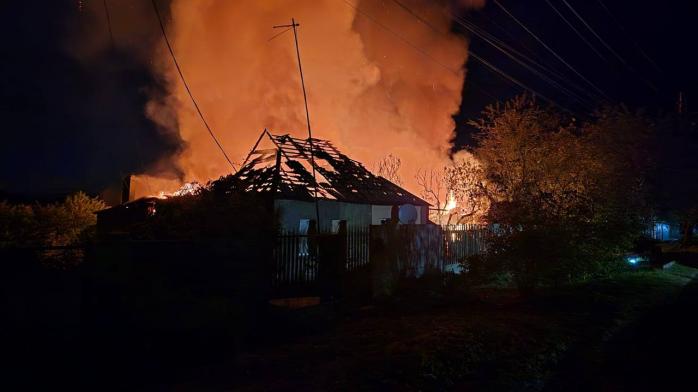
284, 167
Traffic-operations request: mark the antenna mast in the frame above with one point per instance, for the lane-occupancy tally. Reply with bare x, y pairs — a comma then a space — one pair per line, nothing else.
680, 106
293, 26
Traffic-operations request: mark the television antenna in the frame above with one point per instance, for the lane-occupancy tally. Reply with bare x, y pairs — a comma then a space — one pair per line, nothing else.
294, 26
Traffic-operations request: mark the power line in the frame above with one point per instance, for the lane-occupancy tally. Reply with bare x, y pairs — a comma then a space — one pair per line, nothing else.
472, 82
498, 44
530, 66
627, 35
410, 44
579, 33
591, 29
490, 38
293, 26
516, 81
278, 34
405, 41
186, 86
545, 78
401, 38
106, 13
610, 49
475, 56
488, 64
506, 32
551, 50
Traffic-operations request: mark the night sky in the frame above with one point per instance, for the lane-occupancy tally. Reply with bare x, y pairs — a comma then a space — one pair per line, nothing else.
664, 31
68, 124
71, 125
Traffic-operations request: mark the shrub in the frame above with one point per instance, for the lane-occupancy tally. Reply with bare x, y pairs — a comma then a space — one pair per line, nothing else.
70, 222
568, 204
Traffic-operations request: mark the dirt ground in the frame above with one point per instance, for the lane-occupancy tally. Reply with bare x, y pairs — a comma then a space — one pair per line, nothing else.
490, 340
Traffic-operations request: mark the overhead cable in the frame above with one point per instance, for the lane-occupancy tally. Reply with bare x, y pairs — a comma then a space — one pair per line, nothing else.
551, 50
186, 86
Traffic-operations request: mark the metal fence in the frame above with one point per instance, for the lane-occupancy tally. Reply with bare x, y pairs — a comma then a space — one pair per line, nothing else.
461, 241
295, 258
298, 256
358, 241
415, 249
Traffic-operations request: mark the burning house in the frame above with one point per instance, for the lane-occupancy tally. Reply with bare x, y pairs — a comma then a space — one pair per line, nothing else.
338, 189
280, 168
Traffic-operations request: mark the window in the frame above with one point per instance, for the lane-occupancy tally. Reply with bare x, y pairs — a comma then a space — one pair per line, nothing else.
336, 224
303, 228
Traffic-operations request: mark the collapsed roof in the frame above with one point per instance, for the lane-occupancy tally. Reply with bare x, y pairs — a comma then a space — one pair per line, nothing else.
284, 165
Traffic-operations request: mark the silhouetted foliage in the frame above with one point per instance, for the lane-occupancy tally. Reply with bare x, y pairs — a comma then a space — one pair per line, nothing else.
569, 198
218, 210
455, 192
70, 222
188, 275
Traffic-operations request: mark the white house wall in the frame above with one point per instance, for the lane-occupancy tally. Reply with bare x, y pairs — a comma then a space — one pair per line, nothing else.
292, 211
422, 215
378, 213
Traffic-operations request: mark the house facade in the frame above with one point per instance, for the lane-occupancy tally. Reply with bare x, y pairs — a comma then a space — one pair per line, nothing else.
293, 212
340, 189
303, 186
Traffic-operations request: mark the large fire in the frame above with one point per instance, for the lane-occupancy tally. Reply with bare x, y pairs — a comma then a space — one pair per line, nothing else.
189, 188
451, 203
379, 80
371, 94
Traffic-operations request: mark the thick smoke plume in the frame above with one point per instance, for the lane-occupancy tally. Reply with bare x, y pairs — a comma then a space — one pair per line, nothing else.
369, 92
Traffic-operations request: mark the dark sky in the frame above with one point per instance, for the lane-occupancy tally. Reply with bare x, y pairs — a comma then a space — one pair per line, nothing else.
68, 124
71, 125
641, 32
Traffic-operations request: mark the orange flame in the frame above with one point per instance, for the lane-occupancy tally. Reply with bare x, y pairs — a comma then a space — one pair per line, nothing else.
369, 93
451, 202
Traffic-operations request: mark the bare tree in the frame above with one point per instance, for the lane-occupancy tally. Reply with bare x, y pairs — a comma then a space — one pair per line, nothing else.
457, 192
465, 182
389, 168
433, 190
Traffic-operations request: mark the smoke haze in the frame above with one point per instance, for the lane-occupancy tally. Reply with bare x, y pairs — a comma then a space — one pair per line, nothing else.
370, 93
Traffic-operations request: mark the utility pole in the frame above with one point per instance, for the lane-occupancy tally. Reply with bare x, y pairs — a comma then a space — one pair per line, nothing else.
293, 26
680, 106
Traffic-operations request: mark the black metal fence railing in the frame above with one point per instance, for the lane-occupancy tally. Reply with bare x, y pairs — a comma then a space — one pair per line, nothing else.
415, 249
298, 257
295, 258
461, 241
358, 241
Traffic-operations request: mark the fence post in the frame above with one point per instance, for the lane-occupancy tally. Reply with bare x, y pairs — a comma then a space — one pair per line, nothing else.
339, 261
384, 259
332, 259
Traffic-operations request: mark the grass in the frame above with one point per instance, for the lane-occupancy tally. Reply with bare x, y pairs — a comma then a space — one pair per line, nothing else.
495, 342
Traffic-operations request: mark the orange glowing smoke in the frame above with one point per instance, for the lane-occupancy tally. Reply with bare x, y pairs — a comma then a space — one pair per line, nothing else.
369, 93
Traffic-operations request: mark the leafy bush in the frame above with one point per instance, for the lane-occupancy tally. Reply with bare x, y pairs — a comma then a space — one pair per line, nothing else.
569, 198
70, 222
